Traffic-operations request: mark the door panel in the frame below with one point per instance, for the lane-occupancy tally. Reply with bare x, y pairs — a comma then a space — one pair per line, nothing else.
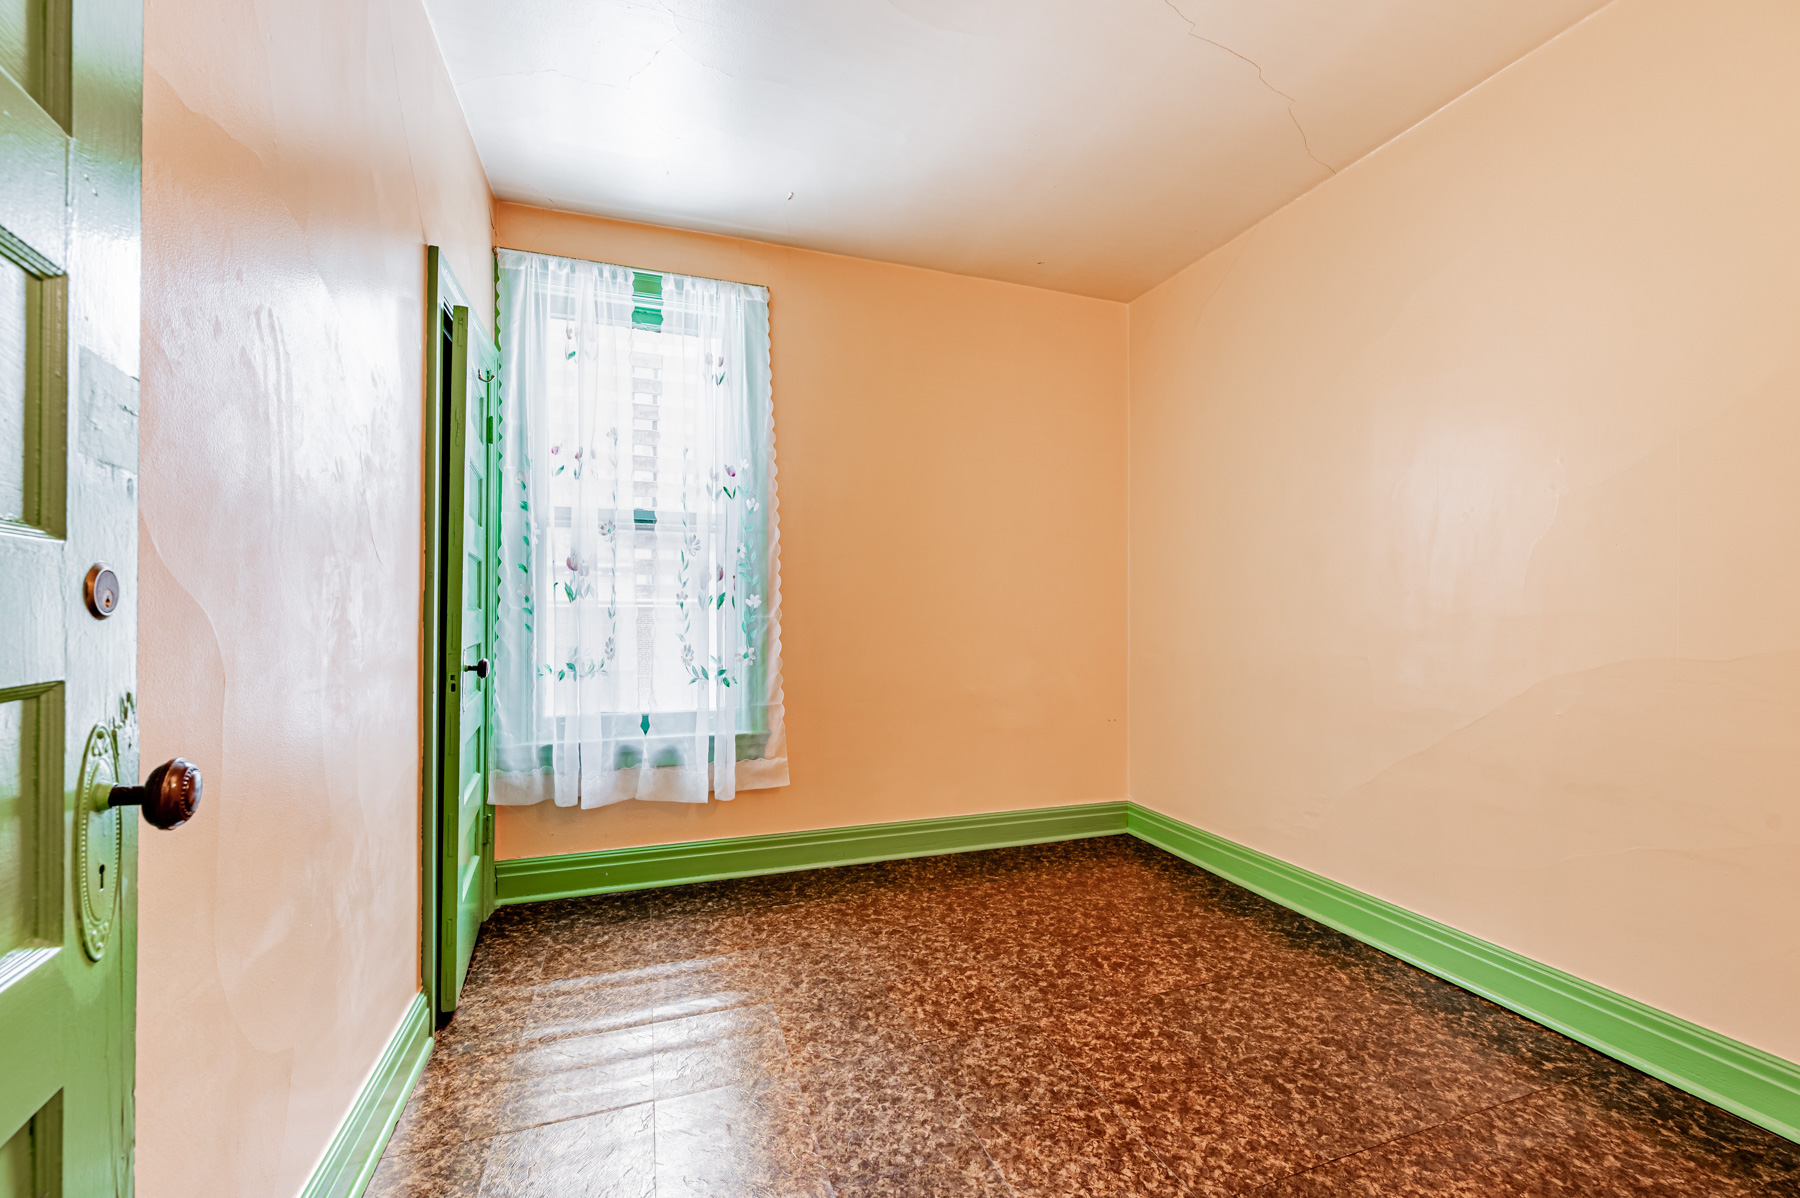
30, 815
468, 604
70, 82
16, 366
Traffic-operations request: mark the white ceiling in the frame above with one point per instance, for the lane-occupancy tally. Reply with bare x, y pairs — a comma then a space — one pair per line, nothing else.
1094, 146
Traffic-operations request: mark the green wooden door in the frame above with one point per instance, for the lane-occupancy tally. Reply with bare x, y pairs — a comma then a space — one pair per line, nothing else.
70, 88
466, 844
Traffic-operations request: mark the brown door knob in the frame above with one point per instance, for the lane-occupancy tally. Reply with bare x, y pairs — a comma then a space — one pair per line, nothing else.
168, 796
480, 668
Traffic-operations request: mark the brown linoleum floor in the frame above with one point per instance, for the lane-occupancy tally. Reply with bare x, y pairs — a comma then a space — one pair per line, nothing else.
1091, 1018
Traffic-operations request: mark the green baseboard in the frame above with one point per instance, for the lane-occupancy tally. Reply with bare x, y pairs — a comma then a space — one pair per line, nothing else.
349, 1161
533, 879
1751, 1083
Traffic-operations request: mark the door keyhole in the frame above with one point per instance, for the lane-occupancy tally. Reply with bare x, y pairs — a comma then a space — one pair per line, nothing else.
103, 877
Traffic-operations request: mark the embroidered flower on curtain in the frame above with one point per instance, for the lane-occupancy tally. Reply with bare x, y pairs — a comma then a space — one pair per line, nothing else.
638, 646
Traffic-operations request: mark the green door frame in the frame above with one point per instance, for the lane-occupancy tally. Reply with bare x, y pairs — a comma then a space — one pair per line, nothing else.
443, 295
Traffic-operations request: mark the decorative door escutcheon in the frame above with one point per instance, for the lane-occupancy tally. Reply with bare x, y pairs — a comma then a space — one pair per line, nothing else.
99, 853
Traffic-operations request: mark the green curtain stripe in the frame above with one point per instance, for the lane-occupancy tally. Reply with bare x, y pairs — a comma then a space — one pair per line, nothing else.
1747, 1081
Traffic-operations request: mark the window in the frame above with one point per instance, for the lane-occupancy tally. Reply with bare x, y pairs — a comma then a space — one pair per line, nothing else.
638, 623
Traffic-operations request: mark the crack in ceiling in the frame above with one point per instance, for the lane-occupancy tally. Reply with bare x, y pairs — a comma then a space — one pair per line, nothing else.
1305, 142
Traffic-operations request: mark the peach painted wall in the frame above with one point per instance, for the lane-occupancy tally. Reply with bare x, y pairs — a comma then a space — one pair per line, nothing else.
298, 157
1465, 533
952, 484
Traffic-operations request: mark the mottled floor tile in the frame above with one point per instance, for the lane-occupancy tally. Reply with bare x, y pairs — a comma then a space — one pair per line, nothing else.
1119, 1046
844, 1027
947, 871
1715, 1140
836, 885
1009, 1071
1295, 1022
1326, 1055
611, 1155
745, 1141
1341, 1115
1326, 1068
1534, 1050
725, 897
1091, 1153
579, 1075
540, 921
1447, 1071
487, 1020
972, 1176
586, 1006
1217, 1137
952, 998
631, 945
700, 985
1044, 977
1091, 1018
798, 976
844, 929
1058, 859
1552, 1142
451, 1171
1358, 1067
735, 896
880, 1116
734, 1047
457, 1098
507, 961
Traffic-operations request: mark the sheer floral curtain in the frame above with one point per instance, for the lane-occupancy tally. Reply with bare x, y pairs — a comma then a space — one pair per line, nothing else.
638, 647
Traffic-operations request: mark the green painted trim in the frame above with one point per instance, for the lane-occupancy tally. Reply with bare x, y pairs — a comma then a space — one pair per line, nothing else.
442, 295
533, 879
1748, 1082
448, 314
349, 1161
